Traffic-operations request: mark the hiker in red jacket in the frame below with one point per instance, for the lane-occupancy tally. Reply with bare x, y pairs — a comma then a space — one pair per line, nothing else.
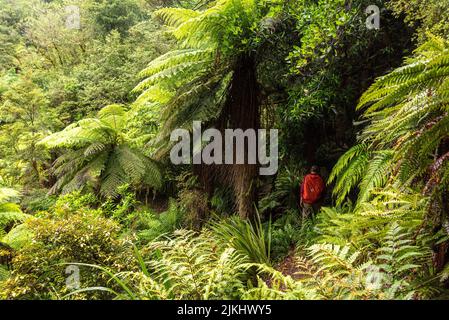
311, 193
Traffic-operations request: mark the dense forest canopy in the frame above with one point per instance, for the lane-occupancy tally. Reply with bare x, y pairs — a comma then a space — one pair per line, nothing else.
92, 207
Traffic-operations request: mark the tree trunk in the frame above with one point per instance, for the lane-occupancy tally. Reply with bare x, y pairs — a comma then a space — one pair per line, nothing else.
242, 111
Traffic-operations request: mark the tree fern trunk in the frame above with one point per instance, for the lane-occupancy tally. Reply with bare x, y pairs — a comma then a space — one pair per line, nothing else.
242, 111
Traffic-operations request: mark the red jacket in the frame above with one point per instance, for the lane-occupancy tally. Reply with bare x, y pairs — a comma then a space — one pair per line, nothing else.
312, 188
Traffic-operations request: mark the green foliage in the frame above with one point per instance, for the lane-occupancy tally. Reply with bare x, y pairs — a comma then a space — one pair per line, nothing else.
349, 170
188, 266
406, 110
363, 228
25, 119
332, 271
18, 237
248, 238
387, 233
392, 262
320, 23
342, 273
283, 239
10, 213
9, 219
427, 16
100, 155
81, 237
150, 226
4, 274
7, 194
37, 200
121, 211
398, 254
51, 75
117, 15
198, 267
286, 191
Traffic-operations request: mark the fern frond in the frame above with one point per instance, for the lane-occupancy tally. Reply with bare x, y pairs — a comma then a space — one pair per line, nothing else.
377, 174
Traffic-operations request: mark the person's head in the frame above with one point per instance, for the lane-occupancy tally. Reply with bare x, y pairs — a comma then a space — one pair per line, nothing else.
314, 169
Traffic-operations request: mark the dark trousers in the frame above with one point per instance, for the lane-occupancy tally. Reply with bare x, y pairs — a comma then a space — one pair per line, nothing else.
309, 210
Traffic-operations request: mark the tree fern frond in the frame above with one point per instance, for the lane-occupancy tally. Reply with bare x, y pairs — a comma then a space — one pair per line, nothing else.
98, 155
175, 16
377, 173
7, 194
349, 170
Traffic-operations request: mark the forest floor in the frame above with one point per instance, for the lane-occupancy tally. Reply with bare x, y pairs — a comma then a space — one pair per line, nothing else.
288, 266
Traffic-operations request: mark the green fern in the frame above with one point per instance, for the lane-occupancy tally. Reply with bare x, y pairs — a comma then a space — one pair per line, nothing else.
98, 153
187, 266
19, 237
192, 81
349, 170
10, 213
408, 122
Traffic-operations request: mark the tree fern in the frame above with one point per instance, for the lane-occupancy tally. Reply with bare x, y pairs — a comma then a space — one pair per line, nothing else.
10, 213
376, 174
216, 54
7, 194
349, 170
99, 154
408, 123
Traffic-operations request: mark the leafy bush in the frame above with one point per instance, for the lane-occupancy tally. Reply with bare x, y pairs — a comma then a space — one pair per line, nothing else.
123, 211
72, 202
83, 236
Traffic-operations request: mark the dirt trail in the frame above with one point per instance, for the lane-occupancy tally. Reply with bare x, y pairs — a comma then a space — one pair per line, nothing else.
288, 266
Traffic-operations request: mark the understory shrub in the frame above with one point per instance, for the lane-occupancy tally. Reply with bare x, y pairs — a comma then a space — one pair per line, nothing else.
82, 236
